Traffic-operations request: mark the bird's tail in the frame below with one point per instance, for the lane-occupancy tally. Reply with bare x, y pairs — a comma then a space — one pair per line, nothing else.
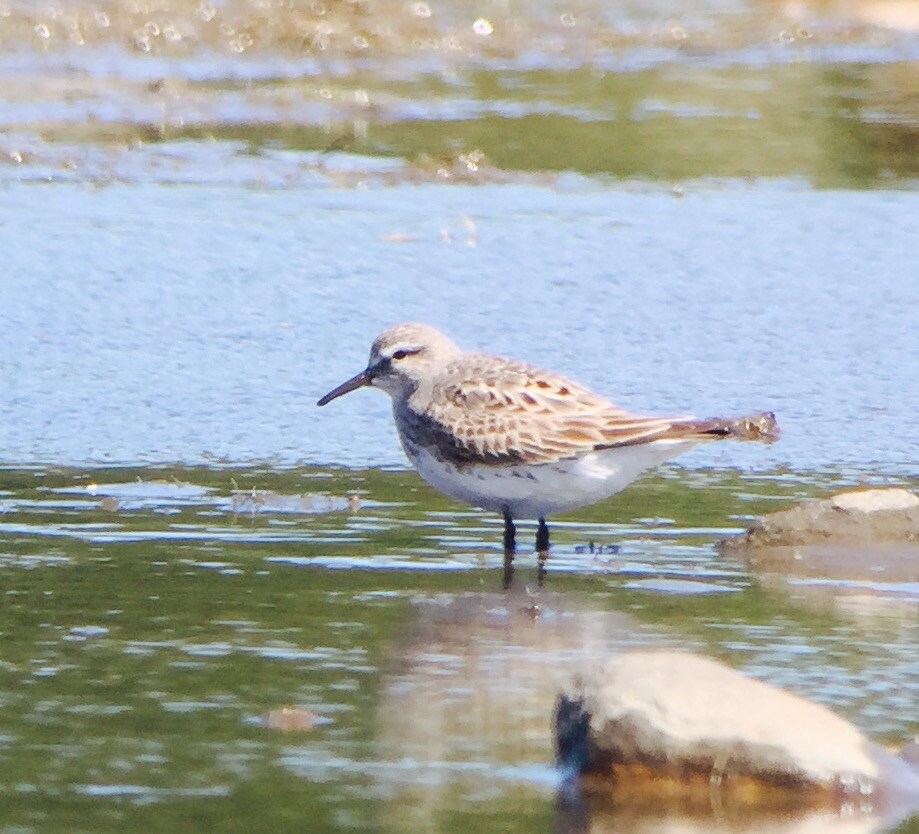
760, 427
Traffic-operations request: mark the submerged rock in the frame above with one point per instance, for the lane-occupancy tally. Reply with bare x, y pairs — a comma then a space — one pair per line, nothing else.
291, 718
670, 725
858, 517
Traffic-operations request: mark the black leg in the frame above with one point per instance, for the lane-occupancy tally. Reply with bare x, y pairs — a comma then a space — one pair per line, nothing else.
542, 550
542, 538
510, 534
510, 545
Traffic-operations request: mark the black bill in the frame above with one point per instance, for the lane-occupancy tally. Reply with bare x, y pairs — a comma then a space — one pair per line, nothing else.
357, 381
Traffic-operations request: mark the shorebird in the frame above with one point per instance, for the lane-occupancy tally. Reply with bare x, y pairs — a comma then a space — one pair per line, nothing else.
518, 440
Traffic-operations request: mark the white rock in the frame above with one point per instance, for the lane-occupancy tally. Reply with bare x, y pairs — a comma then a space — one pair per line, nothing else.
681, 708
875, 500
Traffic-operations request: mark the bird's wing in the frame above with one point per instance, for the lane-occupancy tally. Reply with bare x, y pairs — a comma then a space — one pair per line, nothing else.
490, 410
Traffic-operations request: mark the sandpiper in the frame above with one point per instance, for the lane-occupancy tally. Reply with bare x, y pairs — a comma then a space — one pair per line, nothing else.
509, 437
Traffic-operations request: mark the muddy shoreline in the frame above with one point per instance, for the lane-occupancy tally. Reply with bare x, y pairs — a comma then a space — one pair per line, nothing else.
820, 92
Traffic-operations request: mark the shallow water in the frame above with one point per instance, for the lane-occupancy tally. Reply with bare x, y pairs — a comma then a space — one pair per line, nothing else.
146, 323
208, 211
153, 618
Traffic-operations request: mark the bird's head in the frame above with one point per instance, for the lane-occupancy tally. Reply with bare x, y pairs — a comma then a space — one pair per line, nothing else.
402, 359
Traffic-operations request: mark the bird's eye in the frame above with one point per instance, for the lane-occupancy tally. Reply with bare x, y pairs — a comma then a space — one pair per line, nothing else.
400, 354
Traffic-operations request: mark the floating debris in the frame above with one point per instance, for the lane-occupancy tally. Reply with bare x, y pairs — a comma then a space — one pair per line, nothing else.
255, 501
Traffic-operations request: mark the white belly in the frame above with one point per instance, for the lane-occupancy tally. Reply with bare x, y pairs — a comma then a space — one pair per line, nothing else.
536, 491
